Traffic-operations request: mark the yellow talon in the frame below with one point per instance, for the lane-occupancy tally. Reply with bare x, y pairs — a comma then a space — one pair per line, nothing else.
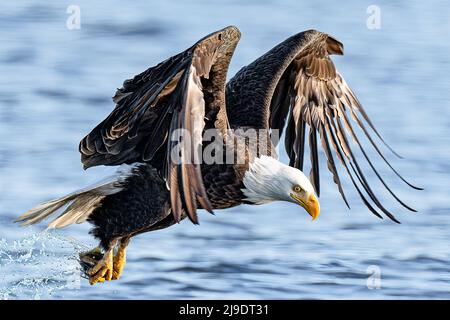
104, 267
103, 270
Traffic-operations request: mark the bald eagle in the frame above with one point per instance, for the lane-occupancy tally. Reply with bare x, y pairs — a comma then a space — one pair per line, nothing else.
292, 87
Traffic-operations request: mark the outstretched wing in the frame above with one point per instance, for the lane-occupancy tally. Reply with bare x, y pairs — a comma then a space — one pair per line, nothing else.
187, 92
299, 84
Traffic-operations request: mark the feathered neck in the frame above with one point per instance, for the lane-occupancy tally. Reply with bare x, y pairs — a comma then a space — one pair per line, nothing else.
263, 180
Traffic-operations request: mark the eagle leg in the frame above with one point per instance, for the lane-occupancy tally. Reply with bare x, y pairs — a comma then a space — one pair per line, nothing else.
120, 258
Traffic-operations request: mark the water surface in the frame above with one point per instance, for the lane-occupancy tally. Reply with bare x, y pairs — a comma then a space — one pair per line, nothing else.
56, 84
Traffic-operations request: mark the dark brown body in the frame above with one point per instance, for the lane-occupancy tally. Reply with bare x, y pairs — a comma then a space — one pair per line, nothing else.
144, 203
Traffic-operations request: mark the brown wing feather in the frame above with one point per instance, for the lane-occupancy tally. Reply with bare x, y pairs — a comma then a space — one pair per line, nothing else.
175, 94
321, 87
318, 97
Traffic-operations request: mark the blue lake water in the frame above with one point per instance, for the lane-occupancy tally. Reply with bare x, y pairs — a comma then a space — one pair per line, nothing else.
56, 84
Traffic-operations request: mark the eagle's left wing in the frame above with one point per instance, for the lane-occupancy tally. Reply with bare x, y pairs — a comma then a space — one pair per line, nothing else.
297, 82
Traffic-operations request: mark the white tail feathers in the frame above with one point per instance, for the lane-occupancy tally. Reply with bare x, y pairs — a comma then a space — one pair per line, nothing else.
80, 204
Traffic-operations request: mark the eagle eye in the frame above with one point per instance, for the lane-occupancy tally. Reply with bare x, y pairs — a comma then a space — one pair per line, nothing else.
297, 189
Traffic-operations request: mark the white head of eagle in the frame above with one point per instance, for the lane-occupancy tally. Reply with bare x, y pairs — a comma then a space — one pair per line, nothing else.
267, 180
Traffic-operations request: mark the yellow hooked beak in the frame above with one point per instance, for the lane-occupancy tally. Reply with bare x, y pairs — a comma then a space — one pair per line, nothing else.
311, 205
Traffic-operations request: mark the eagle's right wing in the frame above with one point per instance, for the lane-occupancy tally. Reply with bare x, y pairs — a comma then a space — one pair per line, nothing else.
182, 92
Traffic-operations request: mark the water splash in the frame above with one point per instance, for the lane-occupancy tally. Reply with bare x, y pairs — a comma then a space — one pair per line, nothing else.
39, 266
